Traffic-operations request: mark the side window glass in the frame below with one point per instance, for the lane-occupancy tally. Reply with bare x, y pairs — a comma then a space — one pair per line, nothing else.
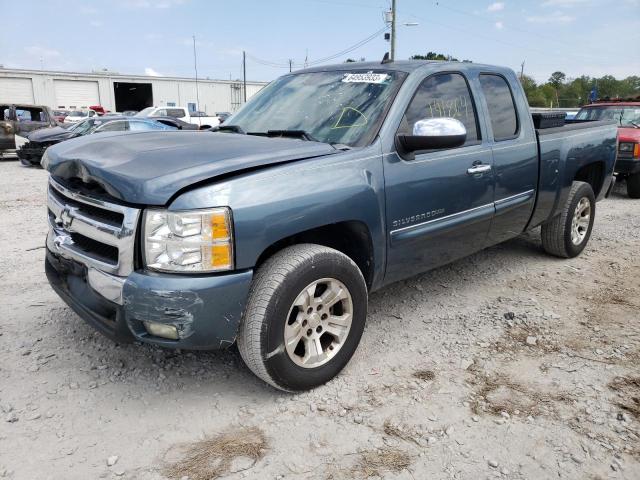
443, 95
119, 126
502, 110
141, 126
175, 112
23, 115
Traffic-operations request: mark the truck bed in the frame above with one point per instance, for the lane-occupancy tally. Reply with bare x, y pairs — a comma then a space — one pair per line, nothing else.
580, 144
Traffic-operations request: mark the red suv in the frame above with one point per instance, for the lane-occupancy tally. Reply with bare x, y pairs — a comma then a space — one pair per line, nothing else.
627, 114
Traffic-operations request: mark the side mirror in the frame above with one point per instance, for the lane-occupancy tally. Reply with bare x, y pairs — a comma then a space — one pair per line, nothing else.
434, 133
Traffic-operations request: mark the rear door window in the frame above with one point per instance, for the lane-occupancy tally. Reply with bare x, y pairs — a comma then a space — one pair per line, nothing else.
175, 112
443, 95
502, 109
117, 126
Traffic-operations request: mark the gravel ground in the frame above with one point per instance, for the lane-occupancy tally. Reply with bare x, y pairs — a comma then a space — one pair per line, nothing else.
508, 364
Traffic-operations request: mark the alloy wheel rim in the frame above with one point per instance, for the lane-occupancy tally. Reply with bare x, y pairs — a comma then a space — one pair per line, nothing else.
580, 221
318, 323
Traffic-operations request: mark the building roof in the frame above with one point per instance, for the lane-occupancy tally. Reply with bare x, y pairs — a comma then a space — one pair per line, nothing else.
114, 75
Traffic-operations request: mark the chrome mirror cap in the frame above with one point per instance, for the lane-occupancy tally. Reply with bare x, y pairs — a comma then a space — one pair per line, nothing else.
439, 127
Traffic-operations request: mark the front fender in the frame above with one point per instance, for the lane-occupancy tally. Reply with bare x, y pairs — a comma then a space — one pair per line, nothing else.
277, 202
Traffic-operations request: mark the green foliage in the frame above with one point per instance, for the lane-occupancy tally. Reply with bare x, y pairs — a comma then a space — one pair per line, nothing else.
437, 56
560, 91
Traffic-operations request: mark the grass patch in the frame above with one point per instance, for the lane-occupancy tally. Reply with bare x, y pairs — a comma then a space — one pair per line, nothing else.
377, 462
213, 457
426, 375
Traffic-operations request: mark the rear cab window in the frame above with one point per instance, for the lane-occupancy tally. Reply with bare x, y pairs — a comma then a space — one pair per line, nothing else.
175, 112
443, 95
30, 114
501, 107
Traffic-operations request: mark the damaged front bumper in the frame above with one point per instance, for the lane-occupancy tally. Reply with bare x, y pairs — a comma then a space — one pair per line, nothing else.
206, 310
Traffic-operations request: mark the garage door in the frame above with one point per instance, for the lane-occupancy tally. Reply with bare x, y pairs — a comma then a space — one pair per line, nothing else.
76, 93
16, 90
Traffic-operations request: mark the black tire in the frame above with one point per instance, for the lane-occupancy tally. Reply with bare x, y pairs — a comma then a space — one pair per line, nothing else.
276, 285
633, 185
556, 233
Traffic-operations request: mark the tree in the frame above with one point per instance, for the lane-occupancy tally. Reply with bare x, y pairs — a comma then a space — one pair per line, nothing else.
435, 56
556, 79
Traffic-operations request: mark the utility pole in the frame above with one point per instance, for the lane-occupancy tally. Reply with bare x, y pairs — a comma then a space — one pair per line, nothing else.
392, 53
244, 75
290, 63
521, 70
195, 67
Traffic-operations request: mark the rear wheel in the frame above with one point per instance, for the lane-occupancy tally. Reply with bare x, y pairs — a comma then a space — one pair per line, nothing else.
567, 234
633, 185
304, 317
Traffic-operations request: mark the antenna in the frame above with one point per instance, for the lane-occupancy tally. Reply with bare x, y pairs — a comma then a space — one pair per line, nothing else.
195, 67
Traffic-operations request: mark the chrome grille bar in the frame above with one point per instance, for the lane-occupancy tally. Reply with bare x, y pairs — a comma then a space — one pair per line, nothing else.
67, 219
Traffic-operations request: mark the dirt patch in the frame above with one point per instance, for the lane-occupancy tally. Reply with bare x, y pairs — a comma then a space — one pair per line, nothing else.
214, 457
400, 431
497, 394
426, 375
628, 390
377, 462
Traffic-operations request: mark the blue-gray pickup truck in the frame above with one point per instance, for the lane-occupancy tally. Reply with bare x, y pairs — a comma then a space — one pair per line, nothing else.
331, 183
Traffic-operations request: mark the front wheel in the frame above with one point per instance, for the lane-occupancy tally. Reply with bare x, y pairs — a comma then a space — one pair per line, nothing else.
633, 185
304, 317
567, 234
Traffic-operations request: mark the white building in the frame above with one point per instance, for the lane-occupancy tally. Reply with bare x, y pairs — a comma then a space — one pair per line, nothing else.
118, 93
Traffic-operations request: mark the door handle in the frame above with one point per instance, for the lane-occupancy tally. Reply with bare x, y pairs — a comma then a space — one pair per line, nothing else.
481, 168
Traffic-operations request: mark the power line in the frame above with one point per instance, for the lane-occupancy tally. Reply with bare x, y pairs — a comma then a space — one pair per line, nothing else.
347, 50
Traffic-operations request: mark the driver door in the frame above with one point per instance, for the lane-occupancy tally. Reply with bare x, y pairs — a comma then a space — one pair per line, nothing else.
440, 203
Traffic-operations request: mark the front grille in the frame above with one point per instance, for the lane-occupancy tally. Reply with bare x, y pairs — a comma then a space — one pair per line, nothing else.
107, 216
90, 230
102, 251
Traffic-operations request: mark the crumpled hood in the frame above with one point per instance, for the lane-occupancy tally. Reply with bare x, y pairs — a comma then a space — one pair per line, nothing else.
52, 134
150, 167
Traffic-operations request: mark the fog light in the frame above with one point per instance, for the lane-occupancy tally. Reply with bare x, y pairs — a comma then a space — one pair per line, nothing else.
162, 330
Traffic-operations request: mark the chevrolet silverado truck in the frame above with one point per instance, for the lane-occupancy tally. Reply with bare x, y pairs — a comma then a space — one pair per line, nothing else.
626, 114
330, 183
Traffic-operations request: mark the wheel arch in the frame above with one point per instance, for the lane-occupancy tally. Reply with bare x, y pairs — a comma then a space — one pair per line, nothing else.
593, 174
351, 237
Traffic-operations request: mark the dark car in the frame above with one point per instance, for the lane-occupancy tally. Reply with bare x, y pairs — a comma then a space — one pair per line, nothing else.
176, 123
31, 152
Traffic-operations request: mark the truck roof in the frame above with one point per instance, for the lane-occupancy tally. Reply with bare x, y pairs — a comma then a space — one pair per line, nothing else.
407, 66
613, 104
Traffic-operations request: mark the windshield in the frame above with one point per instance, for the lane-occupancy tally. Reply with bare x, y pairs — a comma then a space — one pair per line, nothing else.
145, 112
85, 126
626, 116
78, 113
338, 107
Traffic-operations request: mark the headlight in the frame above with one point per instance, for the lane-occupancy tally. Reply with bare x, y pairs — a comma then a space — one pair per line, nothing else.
188, 241
625, 147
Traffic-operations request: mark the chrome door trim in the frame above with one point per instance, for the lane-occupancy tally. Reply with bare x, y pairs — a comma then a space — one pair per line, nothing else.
443, 223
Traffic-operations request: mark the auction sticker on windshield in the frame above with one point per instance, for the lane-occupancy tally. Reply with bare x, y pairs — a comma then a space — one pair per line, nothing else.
368, 77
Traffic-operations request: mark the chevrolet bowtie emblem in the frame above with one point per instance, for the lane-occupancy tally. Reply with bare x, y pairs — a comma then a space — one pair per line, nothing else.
65, 218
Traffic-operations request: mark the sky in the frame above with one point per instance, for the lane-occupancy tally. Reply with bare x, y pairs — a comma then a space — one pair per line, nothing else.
155, 37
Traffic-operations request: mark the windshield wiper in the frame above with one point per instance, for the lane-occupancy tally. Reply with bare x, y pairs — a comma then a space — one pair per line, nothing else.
301, 134
634, 124
229, 128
